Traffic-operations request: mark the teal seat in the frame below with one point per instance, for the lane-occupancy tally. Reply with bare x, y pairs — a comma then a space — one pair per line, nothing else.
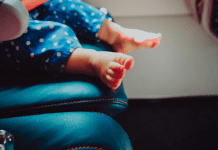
70, 112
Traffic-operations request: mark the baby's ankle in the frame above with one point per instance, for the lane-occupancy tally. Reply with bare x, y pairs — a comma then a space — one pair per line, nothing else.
108, 32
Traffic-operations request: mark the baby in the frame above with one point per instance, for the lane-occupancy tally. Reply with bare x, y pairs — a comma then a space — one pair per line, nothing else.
50, 42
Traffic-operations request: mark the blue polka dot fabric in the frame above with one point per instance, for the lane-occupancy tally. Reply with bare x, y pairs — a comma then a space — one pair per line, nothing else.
52, 36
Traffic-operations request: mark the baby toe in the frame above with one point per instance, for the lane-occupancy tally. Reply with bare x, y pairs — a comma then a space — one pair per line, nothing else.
129, 63
155, 44
112, 82
116, 73
116, 66
116, 83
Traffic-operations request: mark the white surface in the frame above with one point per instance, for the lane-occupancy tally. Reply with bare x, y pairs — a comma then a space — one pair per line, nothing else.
123, 8
185, 64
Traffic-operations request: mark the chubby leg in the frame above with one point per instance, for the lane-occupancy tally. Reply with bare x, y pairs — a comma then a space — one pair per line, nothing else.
125, 40
110, 67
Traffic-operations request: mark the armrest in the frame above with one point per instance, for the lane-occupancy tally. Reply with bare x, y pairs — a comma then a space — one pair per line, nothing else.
36, 92
65, 131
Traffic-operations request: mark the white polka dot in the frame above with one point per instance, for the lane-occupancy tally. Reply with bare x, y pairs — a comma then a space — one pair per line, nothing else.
67, 17
56, 16
56, 44
94, 20
70, 0
28, 43
54, 36
96, 35
89, 28
17, 61
36, 21
92, 14
51, 26
75, 14
100, 13
81, 7
41, 40
78, 22
12, 43
51, 4
47, 60
90, 7
60, 1
32, 55
6, 50
84, 13
65, 33
38, 28
86, 20
54, 12
109, 19
98, 26
72, 5
58, 54
63, 8
104, 10
43, 49
9, 55
68, 41
64, 21
17, 48
75, 38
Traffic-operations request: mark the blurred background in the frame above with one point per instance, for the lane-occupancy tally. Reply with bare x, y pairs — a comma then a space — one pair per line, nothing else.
185, 63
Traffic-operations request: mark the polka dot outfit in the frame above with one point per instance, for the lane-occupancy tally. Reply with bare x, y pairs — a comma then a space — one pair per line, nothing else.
52, 35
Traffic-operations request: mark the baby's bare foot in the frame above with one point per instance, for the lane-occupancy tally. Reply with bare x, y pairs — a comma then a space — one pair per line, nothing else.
110, 67
129, 40
125, 40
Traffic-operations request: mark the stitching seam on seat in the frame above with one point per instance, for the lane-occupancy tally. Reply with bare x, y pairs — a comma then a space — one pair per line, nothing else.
61, 104
87, 147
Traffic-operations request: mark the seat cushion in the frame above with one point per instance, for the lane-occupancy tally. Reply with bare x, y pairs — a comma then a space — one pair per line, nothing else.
26, 93
69, 130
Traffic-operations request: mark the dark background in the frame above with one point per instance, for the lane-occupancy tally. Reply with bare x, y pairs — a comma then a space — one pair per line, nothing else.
186, 123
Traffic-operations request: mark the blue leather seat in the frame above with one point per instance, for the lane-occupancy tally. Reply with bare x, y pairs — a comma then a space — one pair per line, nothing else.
71, 112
